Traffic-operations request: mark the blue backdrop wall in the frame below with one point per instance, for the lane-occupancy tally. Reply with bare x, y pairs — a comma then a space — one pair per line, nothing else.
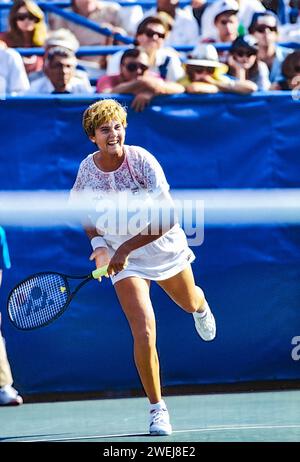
250, 275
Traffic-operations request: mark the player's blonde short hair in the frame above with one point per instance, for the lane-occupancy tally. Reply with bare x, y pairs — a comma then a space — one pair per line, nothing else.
101, 112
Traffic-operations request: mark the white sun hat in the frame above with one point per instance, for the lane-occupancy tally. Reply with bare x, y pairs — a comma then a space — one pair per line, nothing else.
204, 54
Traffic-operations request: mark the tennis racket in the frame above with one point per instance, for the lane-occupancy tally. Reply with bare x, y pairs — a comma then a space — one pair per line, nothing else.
43, 297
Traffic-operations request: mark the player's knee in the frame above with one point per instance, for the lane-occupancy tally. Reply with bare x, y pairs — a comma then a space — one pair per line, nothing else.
144, 335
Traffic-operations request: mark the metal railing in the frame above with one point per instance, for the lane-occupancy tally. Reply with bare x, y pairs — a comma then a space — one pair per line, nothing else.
111, 49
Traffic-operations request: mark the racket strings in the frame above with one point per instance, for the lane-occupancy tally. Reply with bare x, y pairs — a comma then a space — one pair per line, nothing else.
38, 300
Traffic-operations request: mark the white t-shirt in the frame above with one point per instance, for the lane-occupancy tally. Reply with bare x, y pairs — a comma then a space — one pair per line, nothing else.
13, 77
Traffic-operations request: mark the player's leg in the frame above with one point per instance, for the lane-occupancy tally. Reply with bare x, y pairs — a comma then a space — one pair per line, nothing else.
8, 395
133, 294
184, 292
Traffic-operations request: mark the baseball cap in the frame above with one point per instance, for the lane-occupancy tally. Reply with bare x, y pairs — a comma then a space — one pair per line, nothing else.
245, 41
223, 6
62, 38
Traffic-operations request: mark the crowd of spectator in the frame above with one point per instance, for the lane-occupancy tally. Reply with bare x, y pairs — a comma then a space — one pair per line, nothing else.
252, 57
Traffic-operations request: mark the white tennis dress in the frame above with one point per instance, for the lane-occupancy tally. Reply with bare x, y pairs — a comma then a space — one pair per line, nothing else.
141, 176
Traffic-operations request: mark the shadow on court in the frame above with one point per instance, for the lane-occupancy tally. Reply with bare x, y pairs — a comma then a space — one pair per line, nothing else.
237, 417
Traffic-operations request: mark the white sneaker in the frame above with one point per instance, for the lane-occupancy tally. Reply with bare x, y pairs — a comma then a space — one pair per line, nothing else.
206, 325
160, 422
9, 396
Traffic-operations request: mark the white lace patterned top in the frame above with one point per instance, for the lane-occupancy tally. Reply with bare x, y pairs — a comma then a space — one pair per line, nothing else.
140, 172
138, 168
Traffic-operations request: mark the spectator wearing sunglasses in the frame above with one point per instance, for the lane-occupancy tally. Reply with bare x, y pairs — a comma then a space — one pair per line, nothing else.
151, 34
185, 30
264, 27
27, 29
290, 73
205, 74
135, 78
244, 63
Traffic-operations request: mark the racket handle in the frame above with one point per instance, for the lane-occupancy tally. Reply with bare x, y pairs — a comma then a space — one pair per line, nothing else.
99, 272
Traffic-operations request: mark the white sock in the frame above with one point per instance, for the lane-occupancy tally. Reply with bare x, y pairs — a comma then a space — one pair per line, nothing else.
160, 405
5, 387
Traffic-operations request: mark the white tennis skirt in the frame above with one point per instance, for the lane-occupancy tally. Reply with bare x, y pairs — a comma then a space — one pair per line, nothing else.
161, 259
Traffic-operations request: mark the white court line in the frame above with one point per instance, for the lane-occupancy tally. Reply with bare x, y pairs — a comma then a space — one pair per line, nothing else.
192, 430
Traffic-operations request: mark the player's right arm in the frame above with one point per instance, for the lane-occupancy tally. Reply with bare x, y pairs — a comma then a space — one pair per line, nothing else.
100, 252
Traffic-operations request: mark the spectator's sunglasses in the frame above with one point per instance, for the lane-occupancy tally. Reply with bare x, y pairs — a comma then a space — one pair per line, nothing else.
150, 33
133, 67
263, 27
242, 53
23, 16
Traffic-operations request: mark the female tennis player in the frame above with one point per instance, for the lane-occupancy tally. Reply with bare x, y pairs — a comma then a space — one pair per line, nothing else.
137, 259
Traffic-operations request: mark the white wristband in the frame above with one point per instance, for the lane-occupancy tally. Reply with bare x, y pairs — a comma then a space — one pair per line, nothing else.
97, 242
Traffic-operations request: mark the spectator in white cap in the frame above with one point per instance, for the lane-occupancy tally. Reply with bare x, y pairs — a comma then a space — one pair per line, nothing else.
226, 22
59, 75
205, 74
63, 38
107, 14
244, 62
225, 25
244, 10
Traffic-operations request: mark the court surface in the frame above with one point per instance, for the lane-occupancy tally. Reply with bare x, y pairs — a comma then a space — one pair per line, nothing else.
235, 417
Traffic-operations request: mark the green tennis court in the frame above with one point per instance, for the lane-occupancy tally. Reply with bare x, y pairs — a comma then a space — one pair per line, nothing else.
236, 417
